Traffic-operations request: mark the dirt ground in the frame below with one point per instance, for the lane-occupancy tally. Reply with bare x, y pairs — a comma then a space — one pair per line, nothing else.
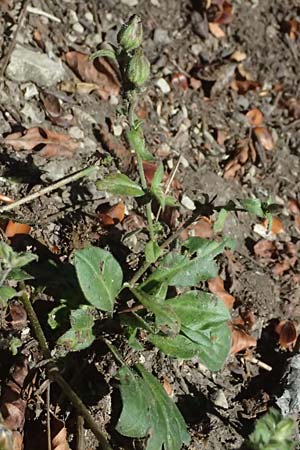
202, 86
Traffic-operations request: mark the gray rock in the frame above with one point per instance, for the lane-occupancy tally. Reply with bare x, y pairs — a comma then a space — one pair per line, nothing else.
27, 65
161, 37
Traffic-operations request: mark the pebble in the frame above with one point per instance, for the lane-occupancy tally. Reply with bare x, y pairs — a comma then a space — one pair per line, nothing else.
28, 65
161, 37
130, 2
32, 114
30, 90
117, 130
76, 133
89, 17
155, 3
196, 49
78, 28
163, 85
188, 203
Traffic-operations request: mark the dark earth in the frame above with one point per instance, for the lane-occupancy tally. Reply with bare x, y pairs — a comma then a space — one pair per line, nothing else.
194, 108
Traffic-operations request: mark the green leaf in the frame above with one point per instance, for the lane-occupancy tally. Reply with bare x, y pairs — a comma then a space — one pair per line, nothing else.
104, 52
165, 316
118, 183
14, 344
220, 221
6, 293
53, 320
152, 251
253, 206
204, 330
137, 143
179, 270
100, 276
19, 275
207, 248
157, 177
148, 411
11, 259
80, 335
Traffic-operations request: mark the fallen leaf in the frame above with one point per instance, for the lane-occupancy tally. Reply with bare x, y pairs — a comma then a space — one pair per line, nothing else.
220, 11
255, 117
202, 228
55, 144
179, 81
115, 214
293, 29
216, 30
216, 286
287, 331
133, 222
14, 228
293, 107
242, 154
240, 340
17, 317
264, 137
284, 265
244, 86
98, 71
238, 56
265, 249
168, 388
277, 225
78, 87
294, 208
194, 83
51, 104
5, 199
59, 435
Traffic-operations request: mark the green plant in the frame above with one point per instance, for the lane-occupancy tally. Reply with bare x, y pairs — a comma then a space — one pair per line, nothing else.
194, 323
273, 432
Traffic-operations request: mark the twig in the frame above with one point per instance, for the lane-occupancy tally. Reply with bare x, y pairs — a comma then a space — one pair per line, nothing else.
80, 444
48, 419
74, 177
54, 374
96, 17
14, 39
259, 363
40, 12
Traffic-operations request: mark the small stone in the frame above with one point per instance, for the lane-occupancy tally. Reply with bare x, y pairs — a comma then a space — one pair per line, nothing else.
163, 85
89, 17
196, 49
155, 3
27, 65
78, 28
188, 203
161, 37
30, 90
76, 133
117, 130
130, 2
220, 400
32, 114
184, 162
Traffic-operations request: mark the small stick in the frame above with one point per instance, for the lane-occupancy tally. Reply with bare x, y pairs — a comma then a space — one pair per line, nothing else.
259, 363
48, 419
40, 12
74, 177
80, 444
14, 39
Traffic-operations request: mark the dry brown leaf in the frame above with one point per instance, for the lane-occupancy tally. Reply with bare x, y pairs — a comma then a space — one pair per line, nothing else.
216, 287
287, 331
55, 144
98, 71
133, 222
115, 214
17, 317
294, 208
14, 228
294, 29
216, 30
238, 56
194, 83
265, 249
277, 225
244, 86
293, 106
242, 154
264, 137
168, 388
6, 199
74, 87
219, 11
202, 228
59, 435
284, 265
255, 117
240, 340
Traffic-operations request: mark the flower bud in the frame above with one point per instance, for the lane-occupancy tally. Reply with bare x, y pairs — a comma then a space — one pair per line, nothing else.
138, 70
130, 35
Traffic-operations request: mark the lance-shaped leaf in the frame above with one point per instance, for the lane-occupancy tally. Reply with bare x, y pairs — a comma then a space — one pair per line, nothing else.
137, 143
148, 411
100, 276
80, 335
118, 183
204, 331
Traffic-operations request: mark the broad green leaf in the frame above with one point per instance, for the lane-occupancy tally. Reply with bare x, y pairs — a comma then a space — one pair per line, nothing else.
19, 275
104, 52
148, 411
137, 143
207, 248
53, 320
133, 341
253, 206
100, 276
80, 335
204, 330
11, 259
158, 177
6, 293
14, 344
152, 251
165, 316
220, 221
118, 183
181, 270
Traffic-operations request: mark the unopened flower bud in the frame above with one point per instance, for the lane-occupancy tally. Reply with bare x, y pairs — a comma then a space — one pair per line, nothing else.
131, 34
138, 70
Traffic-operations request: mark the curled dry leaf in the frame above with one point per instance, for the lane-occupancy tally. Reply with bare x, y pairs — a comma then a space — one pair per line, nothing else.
277, 225
294, 208
240, 340
17, 317
99, 72
238, 56
264, 137
202, 228
255, 117
293, 107
287, 331
59, 435
293, 26
244, 86
244, 152
55, 144
216, 286
216, 30
55, 112
13, 402
220, 11
283, 266
14, 228
113, 215
265, 249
